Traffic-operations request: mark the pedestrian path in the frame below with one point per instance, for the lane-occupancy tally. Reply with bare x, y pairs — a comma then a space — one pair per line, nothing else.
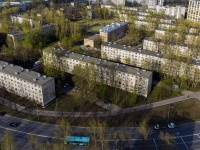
115, 111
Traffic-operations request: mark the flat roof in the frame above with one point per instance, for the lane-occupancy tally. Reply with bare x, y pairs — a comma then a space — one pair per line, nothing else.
142, 51
24, 74
93, 37
104, 63
112, 27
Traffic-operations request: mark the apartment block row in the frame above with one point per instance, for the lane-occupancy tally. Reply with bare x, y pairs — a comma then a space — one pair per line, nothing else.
48, 29
150, 59
131, 79
177, 49
25, 83
190, 38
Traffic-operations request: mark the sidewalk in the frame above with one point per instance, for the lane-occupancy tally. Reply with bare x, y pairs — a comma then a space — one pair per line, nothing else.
118, 111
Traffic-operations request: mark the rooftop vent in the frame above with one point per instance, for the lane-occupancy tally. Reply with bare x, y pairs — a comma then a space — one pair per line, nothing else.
143, 70
158, 54
16, 72
44, 76
27, 70
22, 69
88, 56
34, 79
38, 74
11, 65
138, 73
81, 58
1, 67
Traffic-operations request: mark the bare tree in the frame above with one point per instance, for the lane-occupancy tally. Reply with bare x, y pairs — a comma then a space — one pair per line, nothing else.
168, 139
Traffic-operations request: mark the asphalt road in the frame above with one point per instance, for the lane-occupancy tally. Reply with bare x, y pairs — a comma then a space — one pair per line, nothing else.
187, 136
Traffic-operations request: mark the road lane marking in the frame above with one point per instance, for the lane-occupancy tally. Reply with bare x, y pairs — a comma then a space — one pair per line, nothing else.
27, 132
155, 144
184, 143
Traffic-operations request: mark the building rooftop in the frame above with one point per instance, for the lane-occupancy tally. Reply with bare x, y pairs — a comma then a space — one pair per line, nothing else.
94, 37
143, 51
112, 27
24, 74
104, 63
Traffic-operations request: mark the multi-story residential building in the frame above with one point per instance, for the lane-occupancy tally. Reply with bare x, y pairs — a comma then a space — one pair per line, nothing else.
190, 38
113, 32
153, 3
176, 49
175, 12
48, 29
151, 60
20, 20
28, 84
193, 13
124, 77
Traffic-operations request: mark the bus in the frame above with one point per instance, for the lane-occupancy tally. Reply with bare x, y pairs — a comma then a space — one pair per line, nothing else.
77, 140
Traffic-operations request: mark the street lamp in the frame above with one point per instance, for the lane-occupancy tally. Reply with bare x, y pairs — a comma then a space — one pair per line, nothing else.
98, 116
169, 111
37, 111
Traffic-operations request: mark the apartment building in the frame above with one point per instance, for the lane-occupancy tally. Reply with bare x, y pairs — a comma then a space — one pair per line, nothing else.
113, 32
176, 12
190, 37
25, 83
151, 60
153, 3
118, 75
177, 49
48, 29
193, 13
20, 20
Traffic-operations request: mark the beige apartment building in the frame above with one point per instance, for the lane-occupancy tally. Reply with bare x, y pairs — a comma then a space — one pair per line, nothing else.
92, 41
193, 13
150, 59
131, 79
29, 84
177, 49
113, 32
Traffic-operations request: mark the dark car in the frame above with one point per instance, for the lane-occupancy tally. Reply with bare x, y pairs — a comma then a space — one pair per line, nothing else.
14, 124
107, 102
2, 114
159, 127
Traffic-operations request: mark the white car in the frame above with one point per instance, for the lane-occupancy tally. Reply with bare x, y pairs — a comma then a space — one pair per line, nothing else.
171, 125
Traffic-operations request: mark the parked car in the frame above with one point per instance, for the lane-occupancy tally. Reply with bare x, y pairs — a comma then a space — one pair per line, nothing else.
65, 85
107, 102
172, 125
2, 114
14, 124
158, 127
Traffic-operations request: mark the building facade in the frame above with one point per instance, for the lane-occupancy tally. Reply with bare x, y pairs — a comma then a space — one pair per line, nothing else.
175, 12
151, 60
193, 13
28, 84
124, 77
92, 41
113, 32
153, 3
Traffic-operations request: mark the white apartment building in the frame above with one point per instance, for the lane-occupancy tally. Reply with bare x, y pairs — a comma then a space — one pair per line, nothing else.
29, 84
153, 3
113, 32
124, 77
193, 13
20, 19
178, 50
151, 60
175, 12
190, 38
